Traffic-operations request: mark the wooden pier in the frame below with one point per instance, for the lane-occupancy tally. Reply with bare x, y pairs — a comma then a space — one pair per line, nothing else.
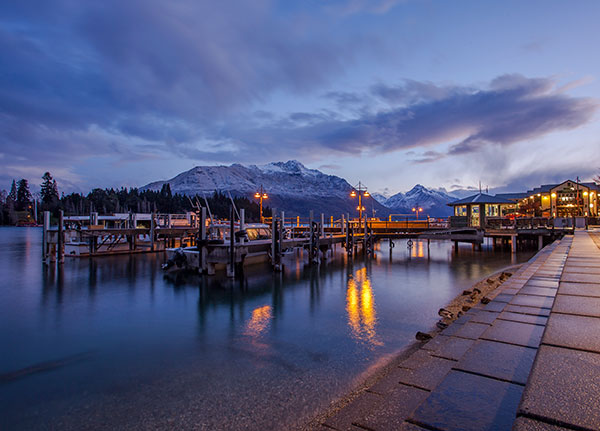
139, 233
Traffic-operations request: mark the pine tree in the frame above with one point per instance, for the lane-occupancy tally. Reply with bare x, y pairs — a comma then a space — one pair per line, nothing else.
23, 194
12, 195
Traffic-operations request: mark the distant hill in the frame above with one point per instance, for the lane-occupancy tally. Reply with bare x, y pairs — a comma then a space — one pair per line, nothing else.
433, 202
291, 187
294, 188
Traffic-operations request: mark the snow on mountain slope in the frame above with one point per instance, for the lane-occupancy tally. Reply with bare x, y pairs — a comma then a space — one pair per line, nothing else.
290, 178
432, 201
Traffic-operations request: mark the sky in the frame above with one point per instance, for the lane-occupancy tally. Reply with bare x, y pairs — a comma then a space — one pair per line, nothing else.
387, 92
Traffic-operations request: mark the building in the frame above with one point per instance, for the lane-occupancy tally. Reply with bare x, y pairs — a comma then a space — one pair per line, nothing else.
567, 199
473, 211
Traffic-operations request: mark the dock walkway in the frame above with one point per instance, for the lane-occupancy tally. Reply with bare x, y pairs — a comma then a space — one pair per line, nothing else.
528, 360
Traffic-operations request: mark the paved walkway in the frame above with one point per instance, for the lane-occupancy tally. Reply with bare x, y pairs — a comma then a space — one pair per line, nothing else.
530, 358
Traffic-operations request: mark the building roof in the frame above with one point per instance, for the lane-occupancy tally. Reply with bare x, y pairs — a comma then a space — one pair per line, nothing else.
512, 196
480, 198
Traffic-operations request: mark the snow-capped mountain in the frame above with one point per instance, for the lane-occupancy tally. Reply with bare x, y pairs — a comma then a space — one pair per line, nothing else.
291, 187
433, 202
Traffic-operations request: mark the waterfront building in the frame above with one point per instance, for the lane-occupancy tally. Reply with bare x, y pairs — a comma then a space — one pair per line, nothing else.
567, 199
473, 211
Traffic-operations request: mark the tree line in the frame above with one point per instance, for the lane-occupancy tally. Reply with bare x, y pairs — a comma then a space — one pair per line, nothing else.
19, 205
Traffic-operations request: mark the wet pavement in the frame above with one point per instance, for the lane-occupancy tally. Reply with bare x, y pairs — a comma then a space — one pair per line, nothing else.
528, 360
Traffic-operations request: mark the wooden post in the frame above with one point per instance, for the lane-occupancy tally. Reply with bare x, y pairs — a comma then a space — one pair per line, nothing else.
231, 266
45, 239
203, 251
540, 242
322, 233
274, 240
513, 243
61, 237
152, 228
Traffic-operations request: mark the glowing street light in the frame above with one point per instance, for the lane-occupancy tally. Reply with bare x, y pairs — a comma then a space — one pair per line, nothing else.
360, 191
261, 195
417, 210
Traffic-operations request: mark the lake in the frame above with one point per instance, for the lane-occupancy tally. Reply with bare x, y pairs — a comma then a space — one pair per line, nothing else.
113, 342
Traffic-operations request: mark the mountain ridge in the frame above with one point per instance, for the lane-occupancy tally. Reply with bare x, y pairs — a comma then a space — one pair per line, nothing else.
296, 189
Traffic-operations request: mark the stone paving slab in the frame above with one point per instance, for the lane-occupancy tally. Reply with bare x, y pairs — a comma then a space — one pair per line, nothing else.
471, 330
542, 283
498, 360
576, 332
436, 341
582, 270
522, 334
564, 387
406, 426
418, 359
495, 306
581, 289
533, 301
535, 311
357, 409
579, 305
524, 318
388, 383
538, 291
392, 412
526, 424
468, 402
453, 349
503, 297
486, 317
581, 278
426, 377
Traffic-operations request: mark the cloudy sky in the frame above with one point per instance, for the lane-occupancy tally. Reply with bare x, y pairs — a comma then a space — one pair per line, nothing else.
389, 92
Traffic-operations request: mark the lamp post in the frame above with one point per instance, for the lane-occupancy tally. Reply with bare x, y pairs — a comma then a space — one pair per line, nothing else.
261, 195
417, 210
360, 190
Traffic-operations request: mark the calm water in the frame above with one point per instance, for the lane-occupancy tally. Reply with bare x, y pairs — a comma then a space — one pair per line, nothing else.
114, 343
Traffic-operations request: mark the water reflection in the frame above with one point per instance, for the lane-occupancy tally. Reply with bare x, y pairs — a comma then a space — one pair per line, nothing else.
259, 322
360, 306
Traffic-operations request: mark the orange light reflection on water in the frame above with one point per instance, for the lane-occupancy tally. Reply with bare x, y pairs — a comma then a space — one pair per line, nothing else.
261, 317
360, 306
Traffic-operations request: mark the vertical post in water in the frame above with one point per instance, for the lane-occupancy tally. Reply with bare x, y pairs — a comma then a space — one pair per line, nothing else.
45, 239
274, 240
365, 234
322, 233
61, 237
203, 267
152, 228
242, 219
311, 245
231, 265
348, 245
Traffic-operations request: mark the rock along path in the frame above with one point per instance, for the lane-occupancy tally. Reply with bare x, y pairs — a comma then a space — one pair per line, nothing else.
529, 360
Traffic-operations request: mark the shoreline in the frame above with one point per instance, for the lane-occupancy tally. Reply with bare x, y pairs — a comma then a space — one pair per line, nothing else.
377, 372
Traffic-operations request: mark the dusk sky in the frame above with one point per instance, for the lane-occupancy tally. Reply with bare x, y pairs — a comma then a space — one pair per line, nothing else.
388, 92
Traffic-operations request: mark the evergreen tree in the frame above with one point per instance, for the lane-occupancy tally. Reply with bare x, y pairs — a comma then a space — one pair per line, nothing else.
49, 190
23, 194
12, 195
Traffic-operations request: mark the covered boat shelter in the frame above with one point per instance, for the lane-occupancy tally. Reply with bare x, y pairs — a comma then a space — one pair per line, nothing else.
473, 211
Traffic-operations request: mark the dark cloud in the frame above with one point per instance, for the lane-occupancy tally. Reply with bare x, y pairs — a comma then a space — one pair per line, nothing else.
512, 109
148, 70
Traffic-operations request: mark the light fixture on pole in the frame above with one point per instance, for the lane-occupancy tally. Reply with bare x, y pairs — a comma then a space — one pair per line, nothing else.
360, 190
417, 210
261, 195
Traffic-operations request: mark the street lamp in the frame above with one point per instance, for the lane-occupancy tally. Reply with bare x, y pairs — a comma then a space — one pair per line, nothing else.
360, 190
261, 195
417, 210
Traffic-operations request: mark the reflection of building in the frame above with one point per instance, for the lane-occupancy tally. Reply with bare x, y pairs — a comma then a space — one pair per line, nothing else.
567, 199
